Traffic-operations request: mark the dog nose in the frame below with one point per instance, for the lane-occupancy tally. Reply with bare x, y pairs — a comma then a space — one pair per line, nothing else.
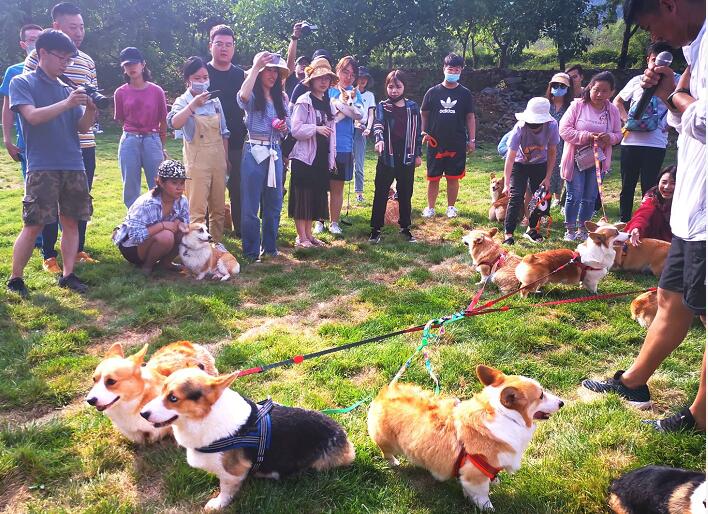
146, 414
560, 404
92, 401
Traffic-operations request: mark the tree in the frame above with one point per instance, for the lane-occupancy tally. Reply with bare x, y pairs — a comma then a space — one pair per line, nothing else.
564, 22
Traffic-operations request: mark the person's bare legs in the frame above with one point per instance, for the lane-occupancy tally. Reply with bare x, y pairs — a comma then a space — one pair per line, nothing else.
433, 191
156, 248
453, 189
336, 198
301, 228
667, 331
22, 250
69, 243
698, 407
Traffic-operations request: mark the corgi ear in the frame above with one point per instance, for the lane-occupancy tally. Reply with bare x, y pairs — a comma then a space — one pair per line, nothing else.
489, 376
597, 238
220, 383
620, 226
139, 357
478, 240
511, 397
591, 226
116, 350
492, 176
184, 227
492, 232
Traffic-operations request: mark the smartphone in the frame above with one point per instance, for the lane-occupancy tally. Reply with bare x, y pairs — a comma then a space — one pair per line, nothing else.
214, 94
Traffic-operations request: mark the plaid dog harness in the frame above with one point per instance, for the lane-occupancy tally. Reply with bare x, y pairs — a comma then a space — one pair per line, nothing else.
255, 434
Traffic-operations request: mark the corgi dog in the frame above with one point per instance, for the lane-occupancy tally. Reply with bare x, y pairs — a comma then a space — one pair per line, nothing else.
392, 208
472, 439
122, 385
208, 419
201, 257
594, 259
485, 253
347, 98
659, 490
500, 200
643, 308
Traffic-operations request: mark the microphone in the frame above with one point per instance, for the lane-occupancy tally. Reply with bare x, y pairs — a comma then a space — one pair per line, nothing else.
663, 59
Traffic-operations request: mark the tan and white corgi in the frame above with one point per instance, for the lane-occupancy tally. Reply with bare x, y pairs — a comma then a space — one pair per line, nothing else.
347, 98
122, 385
595, 258
202, 257
644, 307
486, 253
500, 201
208, 419
471, 440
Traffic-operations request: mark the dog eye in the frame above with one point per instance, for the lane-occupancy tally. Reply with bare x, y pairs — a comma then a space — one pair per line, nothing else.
172, 398
110, 381
541, 398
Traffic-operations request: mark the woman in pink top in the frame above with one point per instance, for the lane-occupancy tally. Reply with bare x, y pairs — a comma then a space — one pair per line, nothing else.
590, 119
141, 107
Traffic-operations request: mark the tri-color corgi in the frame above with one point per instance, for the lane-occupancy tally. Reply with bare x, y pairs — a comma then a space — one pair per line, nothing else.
486, 253
122, 385
659, 490
472, 440
593, 261
203, 258
231, 436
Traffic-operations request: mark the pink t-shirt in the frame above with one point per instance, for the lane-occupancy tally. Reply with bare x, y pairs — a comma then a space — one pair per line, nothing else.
140, 110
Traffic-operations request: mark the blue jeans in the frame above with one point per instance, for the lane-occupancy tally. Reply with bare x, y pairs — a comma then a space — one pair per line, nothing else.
359, 154
254, 195
581, 193
136, 152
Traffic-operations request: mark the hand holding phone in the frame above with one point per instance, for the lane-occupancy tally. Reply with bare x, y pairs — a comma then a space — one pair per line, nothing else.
214, 94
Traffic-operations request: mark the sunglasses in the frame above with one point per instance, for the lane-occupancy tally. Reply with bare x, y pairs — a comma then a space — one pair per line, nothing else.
557, 84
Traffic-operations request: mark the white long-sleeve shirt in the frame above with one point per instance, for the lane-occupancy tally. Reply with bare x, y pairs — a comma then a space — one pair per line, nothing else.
688, 210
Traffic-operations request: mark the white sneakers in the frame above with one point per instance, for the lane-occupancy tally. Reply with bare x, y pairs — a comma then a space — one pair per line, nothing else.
451, 212
334, 228
428, 212
319, 227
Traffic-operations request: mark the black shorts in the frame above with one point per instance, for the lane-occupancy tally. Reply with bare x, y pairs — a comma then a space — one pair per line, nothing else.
449, 161
131, 254
685, 272
345, 167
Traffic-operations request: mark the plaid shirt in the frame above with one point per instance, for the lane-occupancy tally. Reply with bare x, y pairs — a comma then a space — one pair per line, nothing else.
146, 211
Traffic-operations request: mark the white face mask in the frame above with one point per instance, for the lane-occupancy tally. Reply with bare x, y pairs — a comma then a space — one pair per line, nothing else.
199, 87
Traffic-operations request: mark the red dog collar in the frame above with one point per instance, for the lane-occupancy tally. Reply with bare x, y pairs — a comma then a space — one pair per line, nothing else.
499, 261
584, 268
477, 461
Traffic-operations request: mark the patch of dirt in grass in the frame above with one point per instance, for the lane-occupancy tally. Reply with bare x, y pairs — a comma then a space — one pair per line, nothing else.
13, 496
367, 377
41, 414
458, 267
617, 458
437, 230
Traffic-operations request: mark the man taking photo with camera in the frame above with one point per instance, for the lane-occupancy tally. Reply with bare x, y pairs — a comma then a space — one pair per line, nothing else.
52, 115
67, 18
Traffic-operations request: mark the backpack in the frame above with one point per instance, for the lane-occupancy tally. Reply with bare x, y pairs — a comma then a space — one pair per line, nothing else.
649, 120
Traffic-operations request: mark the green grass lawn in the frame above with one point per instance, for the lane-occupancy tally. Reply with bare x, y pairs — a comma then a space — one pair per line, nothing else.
59, 455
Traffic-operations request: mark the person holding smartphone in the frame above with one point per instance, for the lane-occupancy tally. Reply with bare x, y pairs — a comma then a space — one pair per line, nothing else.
198, 113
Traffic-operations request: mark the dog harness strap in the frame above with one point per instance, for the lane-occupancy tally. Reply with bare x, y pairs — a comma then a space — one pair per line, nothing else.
255, 435
584, 268
477, 461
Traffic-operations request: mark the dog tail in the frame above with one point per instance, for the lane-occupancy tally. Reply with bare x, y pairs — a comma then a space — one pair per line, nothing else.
340, 453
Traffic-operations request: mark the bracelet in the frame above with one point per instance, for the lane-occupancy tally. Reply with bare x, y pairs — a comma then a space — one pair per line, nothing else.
670, 98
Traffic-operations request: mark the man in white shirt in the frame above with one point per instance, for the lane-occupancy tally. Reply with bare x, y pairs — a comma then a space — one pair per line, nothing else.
682, 286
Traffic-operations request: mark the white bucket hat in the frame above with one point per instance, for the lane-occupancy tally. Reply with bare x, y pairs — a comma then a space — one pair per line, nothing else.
538, 110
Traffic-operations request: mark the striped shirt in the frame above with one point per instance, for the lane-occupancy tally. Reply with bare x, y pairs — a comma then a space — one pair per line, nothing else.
259, 124
82, 71
145, 212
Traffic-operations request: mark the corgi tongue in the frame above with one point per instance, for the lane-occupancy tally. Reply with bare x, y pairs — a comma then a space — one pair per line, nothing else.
541, 415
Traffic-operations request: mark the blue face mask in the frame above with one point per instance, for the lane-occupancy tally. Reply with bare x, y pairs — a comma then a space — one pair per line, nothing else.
199, 87
559, 91
452, 77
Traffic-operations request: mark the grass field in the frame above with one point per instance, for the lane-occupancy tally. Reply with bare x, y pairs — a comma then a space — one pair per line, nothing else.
59, 455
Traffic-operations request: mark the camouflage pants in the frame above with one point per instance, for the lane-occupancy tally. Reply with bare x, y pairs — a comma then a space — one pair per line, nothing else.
50, 193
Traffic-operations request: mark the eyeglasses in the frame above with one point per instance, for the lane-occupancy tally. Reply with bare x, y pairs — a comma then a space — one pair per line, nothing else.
221, 44
65, 60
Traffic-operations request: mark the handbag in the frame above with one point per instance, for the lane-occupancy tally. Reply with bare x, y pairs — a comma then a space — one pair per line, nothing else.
585, 157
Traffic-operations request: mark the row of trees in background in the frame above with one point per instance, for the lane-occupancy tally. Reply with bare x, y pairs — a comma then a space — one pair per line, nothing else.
380, 33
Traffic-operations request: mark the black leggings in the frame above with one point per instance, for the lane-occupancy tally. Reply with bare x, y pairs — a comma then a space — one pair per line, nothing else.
638, 162
404, 186
521, 173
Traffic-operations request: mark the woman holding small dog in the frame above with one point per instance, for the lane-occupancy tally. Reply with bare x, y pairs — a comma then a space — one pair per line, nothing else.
313, 155
651, 220
399, 143
267, 122
530, 160
150, 233
205, 146
590, 125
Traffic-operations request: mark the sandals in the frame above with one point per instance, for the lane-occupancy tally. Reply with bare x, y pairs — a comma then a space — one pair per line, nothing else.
317, 242
303, 244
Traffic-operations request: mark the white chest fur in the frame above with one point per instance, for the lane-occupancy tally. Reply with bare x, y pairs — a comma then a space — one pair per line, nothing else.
195, 259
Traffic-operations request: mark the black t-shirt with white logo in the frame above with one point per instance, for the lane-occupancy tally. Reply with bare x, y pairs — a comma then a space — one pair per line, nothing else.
228, 84
447, 113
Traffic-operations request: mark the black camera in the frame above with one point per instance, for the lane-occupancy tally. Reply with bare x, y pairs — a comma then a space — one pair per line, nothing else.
100, 101
307, 28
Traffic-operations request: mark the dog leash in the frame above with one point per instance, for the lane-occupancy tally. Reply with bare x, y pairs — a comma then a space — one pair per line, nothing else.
598, 176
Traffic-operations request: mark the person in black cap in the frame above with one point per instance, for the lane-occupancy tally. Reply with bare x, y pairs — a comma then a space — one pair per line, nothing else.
148, 236
141, 108
298, 75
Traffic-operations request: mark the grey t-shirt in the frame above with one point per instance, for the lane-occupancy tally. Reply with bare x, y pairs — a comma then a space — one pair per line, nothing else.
532, 147
54, 145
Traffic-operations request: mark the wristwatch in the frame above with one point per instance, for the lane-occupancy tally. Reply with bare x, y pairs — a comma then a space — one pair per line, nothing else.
670, 98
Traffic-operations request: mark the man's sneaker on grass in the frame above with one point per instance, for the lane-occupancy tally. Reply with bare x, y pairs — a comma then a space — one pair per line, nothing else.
406, 233
51, 265
451, 212
682, 421
638, 397
72, 282
428, 212
334, 228
533, 236
319, 227
375, 236
17, 285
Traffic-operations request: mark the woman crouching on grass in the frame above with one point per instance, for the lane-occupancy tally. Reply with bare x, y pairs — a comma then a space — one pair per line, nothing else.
651, 220
399, 145
150, 233
314, 153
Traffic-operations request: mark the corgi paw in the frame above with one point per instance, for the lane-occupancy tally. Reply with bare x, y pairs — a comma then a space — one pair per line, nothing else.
393, 461
483, 503
217, 503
